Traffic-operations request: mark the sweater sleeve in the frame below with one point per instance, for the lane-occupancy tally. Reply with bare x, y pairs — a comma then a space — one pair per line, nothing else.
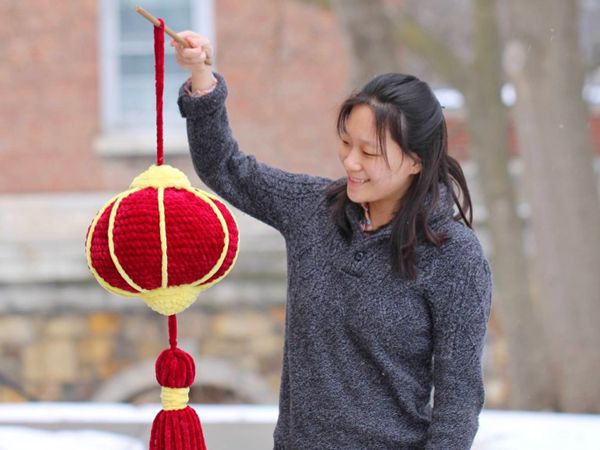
271, 195
460, 301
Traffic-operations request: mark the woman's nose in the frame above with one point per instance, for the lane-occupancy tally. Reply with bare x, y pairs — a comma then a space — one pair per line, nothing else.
351, 162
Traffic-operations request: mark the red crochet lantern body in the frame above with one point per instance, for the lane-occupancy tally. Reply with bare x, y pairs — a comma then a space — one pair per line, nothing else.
162, 240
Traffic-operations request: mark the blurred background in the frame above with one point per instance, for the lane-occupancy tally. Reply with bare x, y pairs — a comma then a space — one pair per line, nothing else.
520, 83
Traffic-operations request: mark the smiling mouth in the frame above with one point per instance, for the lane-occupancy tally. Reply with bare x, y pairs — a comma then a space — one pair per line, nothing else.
357, 180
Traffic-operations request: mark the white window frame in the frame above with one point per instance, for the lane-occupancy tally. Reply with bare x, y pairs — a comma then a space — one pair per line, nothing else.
114, 139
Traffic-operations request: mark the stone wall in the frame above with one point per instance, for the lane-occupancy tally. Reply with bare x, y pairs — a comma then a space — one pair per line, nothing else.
62, 337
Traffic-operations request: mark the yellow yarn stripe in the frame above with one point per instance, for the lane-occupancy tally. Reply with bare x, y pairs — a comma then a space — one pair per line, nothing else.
203, 196
174, 398
111, 243
163, 237
88, 255
235, 257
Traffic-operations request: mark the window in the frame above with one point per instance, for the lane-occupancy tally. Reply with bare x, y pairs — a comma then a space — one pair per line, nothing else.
127, 67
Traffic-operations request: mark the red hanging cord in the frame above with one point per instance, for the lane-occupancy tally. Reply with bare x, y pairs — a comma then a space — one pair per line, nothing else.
173, 331
159, 78
177, 427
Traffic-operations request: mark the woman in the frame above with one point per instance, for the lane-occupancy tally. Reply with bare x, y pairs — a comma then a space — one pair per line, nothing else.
388, 294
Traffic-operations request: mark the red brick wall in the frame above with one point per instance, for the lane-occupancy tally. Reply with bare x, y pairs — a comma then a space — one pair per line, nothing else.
286, 69
49, 90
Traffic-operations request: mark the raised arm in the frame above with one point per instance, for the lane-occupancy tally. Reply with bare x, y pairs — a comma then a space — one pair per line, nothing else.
271, 195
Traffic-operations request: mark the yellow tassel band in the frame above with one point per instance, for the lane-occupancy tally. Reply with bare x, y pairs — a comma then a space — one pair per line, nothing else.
173, 399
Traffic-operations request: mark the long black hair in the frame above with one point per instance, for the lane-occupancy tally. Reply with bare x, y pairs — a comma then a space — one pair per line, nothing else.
407, 107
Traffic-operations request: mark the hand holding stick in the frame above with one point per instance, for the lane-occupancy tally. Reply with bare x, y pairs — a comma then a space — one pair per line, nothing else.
169, 31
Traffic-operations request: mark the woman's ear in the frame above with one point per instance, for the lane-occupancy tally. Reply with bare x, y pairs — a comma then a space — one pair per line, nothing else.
415, 164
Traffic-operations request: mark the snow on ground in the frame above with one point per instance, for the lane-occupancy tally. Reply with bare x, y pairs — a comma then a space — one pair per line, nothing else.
21, 438
518, 430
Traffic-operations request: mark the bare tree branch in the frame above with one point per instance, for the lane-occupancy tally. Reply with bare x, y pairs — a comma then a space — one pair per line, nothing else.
368, 36
323, 4
422, 42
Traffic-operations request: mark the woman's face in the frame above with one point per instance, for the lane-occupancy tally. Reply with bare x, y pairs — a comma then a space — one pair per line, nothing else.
370, 179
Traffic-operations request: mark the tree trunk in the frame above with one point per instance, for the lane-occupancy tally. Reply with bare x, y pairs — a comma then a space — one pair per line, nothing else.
543, 60
531, 385
368, 37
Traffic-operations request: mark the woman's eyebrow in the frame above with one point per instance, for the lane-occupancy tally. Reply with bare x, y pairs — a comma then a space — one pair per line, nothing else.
362, 141
371, 143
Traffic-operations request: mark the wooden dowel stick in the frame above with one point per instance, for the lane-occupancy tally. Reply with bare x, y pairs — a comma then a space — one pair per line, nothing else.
169, 31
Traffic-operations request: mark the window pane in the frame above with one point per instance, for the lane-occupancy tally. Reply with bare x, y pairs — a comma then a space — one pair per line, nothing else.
144, 65
138, 102
136, 94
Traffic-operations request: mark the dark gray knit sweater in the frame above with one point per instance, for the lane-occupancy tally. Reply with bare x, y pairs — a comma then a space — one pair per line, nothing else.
359, 341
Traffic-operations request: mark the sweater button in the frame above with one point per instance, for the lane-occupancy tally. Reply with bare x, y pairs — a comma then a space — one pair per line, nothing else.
359, 256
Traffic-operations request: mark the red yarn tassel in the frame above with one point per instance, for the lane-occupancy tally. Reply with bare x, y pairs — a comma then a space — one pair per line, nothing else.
178, 429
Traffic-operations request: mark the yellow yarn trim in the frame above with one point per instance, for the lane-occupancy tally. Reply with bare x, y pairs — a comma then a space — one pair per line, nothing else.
88, 255
161, 177
203, 196
111, 243
216, 280
163, 237
174, 398
171, 300
116, 290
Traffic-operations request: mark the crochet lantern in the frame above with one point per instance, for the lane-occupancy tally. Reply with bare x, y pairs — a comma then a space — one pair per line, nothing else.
164, 241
